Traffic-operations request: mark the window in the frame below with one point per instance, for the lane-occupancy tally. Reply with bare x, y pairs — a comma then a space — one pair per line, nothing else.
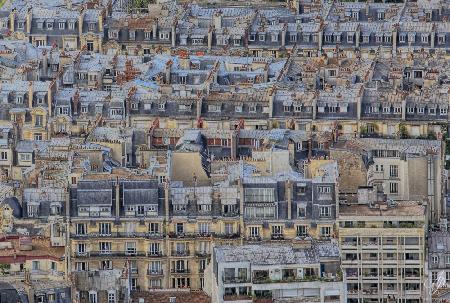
293, 37
332, 73
443, 111
434, 259
104, 229
62, 25
254, 231
164, 36
402, 38
355, 16
441, 39
81, 248
277, 230
92, 297
134, 283
324, 211
421, 110
393, 171
229, 228
274, 37
380, 16
393, 188
91, 26
49, 25
325, 231
262, 37
130, 248
105, 247
350, 37
324, 189
81, 229
180, 228
80, 266
20, 25
252, 37
302, 230
328, 38
38, 120
71, 25
106, 264
35, 265
147, 35
111, 297
424, 38
90, 46
162, 106
4, 155
301, 211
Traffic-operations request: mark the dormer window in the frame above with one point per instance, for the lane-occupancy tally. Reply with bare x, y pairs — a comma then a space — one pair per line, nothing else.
380, 16
49, 25
237, 41
387, 39
252, 37
287, 108
443, 111
274, 37
412, 37
40, 24
164, 36
132, 35
262, 37
425, 38
441, 38
20, 25
252, 108
328, 38
432, 111
214, 108
113, 34
182, 79
19, 99
366, 38
410, 110
355, 16
379, 38
147, 35
397, 110
134, 105
238, 108
402, 38
72, 25
162, 106
350, 37
184, 107
91, 27
337, 37
293, 37
421, 110
84, 109
62, 25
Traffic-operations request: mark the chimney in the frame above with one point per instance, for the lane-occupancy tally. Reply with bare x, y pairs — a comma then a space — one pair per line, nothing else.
100, 21
167, 71
154, 29
50, 97
234, 144
30, 95
117, 187
12, 19
288, 193
28, 17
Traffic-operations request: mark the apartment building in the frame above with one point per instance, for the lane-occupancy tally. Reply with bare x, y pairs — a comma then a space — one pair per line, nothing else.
276, 272
382, 245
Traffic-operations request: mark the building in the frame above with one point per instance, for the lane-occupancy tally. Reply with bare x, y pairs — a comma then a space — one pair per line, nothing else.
279, 273
383, 249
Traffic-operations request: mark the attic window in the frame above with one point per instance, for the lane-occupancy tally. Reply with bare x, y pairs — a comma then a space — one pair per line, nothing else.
380, 16
252, 108
251, 37
350, 37
274, 37
49, 25
84, 109
293, 37
91, 26
238, 108
355, 16
262, 37
164, 36
425, 38
134, 105
402, 38
443, 111
147, 35
441, 39
214, 108
62, 25
113, 34
162, 106
71, 24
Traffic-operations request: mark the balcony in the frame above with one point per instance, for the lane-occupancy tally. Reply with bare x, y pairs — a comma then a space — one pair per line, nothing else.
277, 237
126, 235
227, 236
155, 254
202, 254
230, 214
180, 271
155, 272
203, 234
180, 253
117, 253
370, 291
181, 235
254, 238
230, 280
237, 298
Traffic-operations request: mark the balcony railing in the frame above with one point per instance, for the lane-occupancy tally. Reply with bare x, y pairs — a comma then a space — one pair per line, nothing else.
155, 272
180, 253
235, 279
155, 254
237, 297
117, 253
180, 271
149, 235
